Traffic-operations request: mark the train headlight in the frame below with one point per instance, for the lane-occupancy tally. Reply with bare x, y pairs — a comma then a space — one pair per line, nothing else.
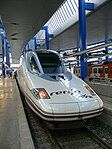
90, 90
40, 93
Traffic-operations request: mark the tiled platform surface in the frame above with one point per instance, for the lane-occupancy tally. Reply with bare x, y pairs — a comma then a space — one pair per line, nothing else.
14, 130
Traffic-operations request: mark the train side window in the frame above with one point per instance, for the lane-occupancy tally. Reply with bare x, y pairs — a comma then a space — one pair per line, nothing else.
95, 70
33, 65
106, 70
111, 69
99, 70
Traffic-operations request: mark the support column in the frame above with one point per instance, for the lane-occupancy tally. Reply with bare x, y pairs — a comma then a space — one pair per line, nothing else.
82, 29
7, 53
106, 51
3, 64
47, 36
36, 45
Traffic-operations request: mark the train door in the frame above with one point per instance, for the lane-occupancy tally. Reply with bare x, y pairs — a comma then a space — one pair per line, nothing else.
106, 71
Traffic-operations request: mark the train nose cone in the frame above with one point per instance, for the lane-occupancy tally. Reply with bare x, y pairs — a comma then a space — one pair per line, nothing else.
65, 108
65, 111
89, 106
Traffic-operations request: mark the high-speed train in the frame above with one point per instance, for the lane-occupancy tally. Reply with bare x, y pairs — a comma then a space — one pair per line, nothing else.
52, 92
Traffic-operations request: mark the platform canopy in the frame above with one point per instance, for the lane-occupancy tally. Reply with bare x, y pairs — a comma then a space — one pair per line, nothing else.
22, 19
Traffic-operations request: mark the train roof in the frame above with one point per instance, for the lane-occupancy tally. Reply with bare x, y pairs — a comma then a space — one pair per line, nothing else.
104, 63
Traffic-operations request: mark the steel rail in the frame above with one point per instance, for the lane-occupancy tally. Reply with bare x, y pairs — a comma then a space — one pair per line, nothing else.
97, 139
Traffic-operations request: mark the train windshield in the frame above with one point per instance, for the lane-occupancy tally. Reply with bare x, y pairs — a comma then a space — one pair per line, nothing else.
50, 62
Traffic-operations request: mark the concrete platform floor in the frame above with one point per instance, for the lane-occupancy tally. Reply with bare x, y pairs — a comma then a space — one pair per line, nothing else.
14, 130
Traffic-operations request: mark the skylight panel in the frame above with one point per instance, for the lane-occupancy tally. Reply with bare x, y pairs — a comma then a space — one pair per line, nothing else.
59, 18
55, 22
70, 7
61, 13
64, 17
74, 5
77, 3
65, 11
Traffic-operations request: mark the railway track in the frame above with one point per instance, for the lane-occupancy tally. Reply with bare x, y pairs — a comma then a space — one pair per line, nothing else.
81, 138
98, 139
43, 137
64, 139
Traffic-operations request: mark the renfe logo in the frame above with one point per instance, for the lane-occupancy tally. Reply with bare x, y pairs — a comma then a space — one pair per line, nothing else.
71, 92
61, 92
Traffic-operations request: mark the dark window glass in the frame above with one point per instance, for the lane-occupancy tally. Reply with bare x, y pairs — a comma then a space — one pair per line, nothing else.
99, 70
95, 70
33, 65
106, 70
50, 62
111, 69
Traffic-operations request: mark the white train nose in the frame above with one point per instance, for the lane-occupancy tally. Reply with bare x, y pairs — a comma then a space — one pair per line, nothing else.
65, 111
65, 108
89, 106
75, 110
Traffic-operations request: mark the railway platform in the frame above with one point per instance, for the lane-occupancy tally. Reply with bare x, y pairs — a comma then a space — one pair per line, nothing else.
14, 130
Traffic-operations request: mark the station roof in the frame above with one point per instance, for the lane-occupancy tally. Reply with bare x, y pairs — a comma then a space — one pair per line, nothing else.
64, 17
99, 28
22, 19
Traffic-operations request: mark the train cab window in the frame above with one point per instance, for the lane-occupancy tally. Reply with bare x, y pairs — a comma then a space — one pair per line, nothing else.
33, 65
50, 62
106, 70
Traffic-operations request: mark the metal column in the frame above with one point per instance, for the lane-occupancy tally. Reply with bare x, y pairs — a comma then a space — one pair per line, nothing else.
7, 53
3, 63
106, 51
45, 28
47, 36
82, 29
